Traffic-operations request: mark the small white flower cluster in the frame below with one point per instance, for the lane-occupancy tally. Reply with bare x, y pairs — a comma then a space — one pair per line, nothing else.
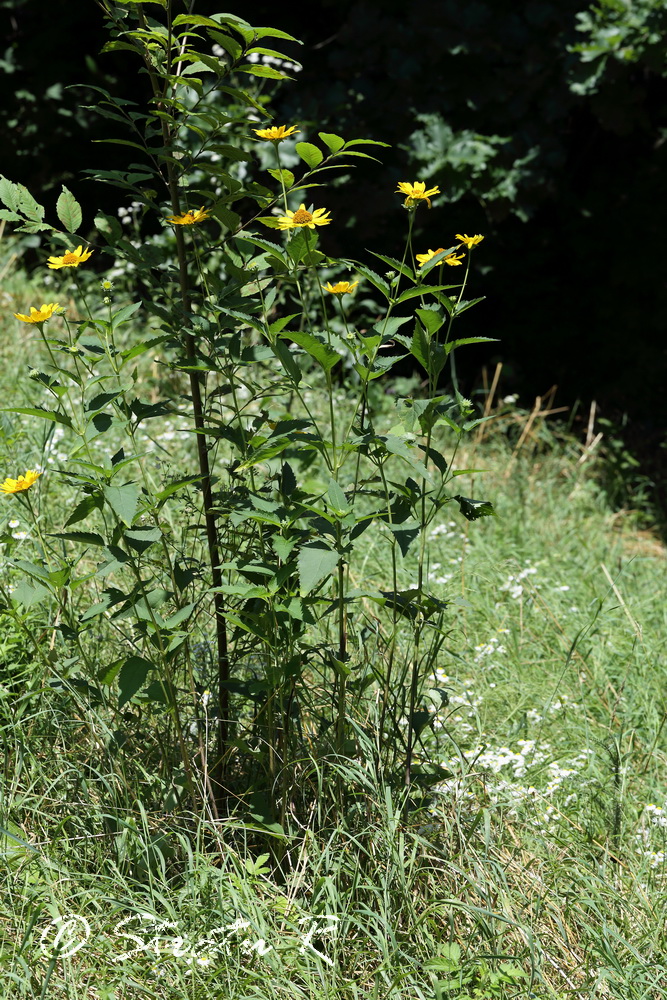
654, 819
433, 576
655, 815
513, 584
493, 647
559, 704
449, 530
18, 535
491, 763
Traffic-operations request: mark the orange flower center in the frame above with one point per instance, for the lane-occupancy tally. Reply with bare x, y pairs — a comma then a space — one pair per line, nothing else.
70, 258
302, 217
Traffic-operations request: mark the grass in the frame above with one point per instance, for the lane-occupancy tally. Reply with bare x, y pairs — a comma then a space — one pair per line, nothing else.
529, 860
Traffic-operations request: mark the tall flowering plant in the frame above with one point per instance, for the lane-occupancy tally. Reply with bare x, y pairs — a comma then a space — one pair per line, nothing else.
253, 552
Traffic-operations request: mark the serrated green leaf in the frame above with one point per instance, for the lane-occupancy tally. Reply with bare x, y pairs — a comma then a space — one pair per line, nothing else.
83, 509
123, 501
431, 320
36, 411
473, 509
314, 564
323, 353
124, 314
469, 340
132, 677
69, 211
337, 498
86, 537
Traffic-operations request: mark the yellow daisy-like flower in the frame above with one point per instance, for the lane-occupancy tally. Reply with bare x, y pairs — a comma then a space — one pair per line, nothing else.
276, 133
450, 259
302, 218
70, 259
20, 484
415, 193
470, 241
341, 287
38, 315
189, 218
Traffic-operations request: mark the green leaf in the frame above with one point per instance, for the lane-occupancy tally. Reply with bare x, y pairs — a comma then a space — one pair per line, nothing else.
314, 564
36, 411
17, 198
27, 594
395, 446
323, 353
86, 537
420, 347
473, 509
337, 498
259, 69
310, 154
123, 501
375, 279
132, 678
431, 319
395, 265
469, 340
124, 314
285, 176
333, 141
69, 211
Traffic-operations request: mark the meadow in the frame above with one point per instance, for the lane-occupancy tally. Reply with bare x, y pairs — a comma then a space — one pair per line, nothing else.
317, 680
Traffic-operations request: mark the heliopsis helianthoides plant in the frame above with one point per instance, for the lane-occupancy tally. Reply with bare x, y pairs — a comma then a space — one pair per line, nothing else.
70, 259
276, 133
449, 258
340, 287
470, 241
21, 484
416, 193
303, 219
190, 218
38, 315
245, 534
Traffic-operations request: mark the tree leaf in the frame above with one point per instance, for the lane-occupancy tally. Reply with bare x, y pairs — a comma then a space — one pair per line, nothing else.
333, 141
69, 211
310, 154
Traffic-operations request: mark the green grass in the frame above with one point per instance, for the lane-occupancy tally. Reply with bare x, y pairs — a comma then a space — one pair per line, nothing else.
526, 862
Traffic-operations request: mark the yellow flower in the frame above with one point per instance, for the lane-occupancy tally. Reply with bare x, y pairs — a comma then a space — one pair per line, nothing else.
20, 484
450, 259
302, 218
470, 241
341, 287
38, 315
189, 218
415, 193
276, 133
70, 259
